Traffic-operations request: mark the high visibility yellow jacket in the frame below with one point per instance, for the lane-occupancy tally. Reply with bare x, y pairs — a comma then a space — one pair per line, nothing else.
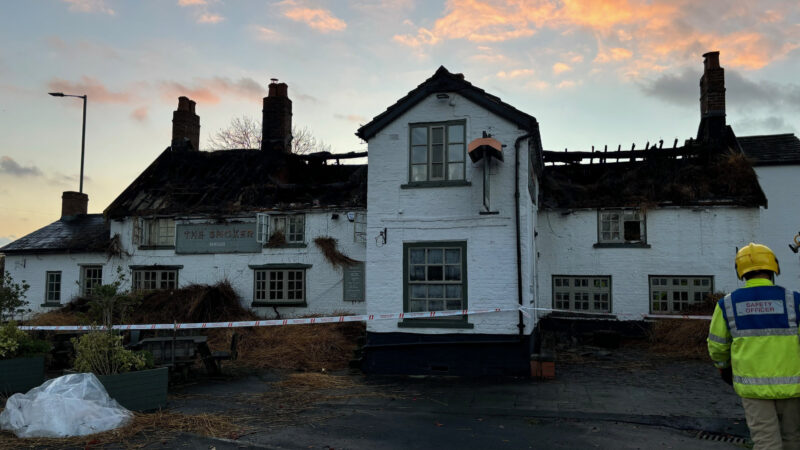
754, 330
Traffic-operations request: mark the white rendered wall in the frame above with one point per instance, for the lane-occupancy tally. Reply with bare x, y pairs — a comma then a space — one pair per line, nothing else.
448, 214
780, 221
33, 269
684, 241
324, 289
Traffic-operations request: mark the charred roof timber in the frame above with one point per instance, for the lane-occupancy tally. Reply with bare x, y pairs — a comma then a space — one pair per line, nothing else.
712, 169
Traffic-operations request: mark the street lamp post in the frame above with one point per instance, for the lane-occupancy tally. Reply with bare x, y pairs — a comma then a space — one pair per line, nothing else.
83, 133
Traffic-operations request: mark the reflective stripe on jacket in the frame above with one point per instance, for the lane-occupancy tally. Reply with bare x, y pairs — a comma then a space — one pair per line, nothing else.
755, 330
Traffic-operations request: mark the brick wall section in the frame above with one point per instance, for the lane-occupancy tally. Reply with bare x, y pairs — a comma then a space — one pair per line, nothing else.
73, 203
448, 214
712, 86
277, 119
185, 125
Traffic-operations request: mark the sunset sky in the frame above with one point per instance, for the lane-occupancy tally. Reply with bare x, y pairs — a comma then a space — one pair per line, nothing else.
592, 73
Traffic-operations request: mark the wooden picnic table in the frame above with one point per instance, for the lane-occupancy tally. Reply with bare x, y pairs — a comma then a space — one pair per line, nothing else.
179, 352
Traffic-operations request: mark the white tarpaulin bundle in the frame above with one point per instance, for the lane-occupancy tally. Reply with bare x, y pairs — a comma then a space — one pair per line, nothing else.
71, 405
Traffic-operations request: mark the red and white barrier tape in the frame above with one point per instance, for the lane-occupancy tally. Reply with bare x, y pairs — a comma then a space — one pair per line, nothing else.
356, 318
272, 322
615, 316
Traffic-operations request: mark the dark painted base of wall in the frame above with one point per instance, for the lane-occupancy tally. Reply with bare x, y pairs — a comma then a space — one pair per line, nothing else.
21, 374
567, 331
447, 354
141, 390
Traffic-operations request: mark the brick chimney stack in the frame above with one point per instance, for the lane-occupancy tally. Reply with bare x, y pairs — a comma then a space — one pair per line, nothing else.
276, 122
185, 126
712, 98
73, 204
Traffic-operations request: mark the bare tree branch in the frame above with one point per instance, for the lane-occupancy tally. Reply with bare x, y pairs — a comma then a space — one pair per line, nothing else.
245, 133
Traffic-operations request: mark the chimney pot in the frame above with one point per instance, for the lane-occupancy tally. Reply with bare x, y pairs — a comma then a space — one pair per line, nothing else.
185, 125
73, 204
711, 60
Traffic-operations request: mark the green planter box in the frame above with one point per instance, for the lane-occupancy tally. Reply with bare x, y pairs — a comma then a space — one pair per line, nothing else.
21, 374
141, 390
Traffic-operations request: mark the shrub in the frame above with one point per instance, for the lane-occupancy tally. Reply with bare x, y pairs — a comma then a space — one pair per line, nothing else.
15, 342
102, 353
12, 296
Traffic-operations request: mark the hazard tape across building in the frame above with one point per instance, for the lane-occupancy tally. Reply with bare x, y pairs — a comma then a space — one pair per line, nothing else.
272, 322
357, 318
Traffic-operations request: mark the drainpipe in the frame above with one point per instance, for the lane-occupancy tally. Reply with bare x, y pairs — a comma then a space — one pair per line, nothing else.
521, 324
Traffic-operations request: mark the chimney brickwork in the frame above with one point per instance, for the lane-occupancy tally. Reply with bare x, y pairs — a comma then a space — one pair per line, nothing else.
185, 126
73, 204
712, 100
712, 86
276, 122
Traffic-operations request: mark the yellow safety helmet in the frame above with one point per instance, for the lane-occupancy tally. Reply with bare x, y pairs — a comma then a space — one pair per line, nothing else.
754, 257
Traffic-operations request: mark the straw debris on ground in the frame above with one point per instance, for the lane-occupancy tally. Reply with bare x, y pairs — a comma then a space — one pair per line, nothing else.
684, 338
145, 429
297, 347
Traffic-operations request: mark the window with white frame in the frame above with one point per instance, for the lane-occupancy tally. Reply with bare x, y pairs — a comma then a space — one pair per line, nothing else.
435, 276
52, 293
437, 151
621, 226
158, 232
582, 293
675, 294
360, 227
280, 228
279, 286
154, 279
91, 277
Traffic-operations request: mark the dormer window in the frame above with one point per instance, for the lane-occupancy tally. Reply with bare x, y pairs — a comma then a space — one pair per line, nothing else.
437, 151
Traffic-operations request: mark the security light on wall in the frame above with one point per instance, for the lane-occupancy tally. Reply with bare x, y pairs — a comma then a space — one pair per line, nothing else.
351, 216
442, 96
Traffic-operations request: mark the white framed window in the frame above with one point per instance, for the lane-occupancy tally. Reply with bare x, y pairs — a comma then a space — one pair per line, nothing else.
582, 293
91, 277
154, 279
279, 286
288, 228
437, 151
360, 227
621, 226
158, 232
52, 293
675, 294
435, 276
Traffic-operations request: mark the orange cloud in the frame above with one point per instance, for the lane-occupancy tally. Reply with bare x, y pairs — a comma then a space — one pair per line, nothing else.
89, 6
140, 114
321, 20
560, 67
210, 18
267, 34
211, 90
634, 37
191, 2
515, 73
91, 87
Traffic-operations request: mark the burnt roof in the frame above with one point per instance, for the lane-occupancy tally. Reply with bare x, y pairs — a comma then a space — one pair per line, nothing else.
710, 178
772, 149
444, 81
84, 233
230, 181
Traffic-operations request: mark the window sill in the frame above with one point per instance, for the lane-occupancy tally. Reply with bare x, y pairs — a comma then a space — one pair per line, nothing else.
156, 247
288, 245
271, 304
280, 266
51, 305
435, 184
621, 245
435, 323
